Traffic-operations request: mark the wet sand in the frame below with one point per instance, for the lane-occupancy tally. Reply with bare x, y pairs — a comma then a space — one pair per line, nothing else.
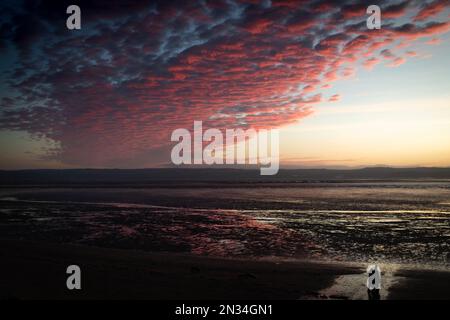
36, 270
385, 222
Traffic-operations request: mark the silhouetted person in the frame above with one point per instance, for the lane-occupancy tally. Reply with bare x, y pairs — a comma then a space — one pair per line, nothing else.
373, 294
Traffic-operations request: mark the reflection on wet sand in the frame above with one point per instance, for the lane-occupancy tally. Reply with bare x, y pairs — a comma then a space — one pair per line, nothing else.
405, 223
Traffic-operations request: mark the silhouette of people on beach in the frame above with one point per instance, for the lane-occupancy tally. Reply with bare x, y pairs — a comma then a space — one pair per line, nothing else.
373, 294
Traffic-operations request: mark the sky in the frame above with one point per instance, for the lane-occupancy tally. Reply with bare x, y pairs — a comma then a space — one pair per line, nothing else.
110, 95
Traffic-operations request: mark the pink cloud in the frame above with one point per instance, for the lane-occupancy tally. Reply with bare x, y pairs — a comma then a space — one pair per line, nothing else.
334, 98
370, 63
397, 62
434, 41
127, 81
432, 9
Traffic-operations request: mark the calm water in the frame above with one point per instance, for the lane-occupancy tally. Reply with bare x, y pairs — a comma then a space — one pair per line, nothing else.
389, 222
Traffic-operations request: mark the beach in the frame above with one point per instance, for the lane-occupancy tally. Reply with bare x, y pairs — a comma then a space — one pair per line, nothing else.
309, 241
37, 270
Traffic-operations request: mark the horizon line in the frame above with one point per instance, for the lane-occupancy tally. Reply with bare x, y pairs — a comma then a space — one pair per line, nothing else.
231, 168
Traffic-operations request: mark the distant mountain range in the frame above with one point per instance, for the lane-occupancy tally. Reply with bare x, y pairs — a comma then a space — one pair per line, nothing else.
173, 176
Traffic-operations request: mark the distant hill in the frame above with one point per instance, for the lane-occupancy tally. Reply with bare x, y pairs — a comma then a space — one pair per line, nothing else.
172, 176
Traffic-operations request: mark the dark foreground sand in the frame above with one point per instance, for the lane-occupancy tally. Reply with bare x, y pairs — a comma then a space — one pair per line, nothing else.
37, 271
